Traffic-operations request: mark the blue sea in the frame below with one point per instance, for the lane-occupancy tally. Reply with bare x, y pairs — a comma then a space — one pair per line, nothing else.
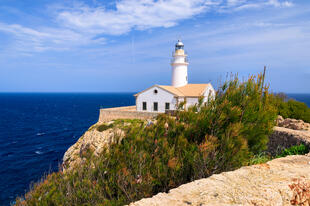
36, 130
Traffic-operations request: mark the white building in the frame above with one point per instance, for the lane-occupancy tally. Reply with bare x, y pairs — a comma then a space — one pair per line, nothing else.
160, 98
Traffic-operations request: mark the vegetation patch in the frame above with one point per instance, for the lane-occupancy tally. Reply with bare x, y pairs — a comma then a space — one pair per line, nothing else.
294, 150
289, 108
103, 127
260, 158
118, 123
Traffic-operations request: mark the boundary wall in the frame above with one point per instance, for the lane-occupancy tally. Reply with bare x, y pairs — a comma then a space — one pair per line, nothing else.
282, 138
128, 112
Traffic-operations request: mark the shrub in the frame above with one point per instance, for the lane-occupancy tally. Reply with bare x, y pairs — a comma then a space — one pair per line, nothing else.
241, 116
292, 108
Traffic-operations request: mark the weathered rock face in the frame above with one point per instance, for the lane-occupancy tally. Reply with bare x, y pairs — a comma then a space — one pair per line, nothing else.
283, 181
93, 141
293, 124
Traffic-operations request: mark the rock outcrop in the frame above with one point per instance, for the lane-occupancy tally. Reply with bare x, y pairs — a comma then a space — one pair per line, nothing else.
93, 141
283, 181
293, 124
97, 138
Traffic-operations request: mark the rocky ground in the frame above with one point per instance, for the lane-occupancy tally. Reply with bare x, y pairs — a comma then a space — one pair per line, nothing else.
293, 124
283, 181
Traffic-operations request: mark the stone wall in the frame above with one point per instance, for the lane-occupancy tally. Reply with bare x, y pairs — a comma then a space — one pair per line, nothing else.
128, 112
282, 138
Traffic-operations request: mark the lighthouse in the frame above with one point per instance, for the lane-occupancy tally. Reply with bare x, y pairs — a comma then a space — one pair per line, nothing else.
167, 98
179, 65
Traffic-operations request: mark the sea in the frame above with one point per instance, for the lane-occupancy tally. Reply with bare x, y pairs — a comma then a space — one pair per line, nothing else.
37, 128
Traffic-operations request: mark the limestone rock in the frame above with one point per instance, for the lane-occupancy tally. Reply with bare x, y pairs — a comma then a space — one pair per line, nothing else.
279, 120
293, 124
283, 181
92, 141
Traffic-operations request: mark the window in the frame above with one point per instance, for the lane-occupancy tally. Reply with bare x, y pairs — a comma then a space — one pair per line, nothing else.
155, 91
167, 106
155, 106
143, 105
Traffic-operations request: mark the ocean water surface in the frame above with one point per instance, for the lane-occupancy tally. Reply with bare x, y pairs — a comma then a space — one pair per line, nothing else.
36, 130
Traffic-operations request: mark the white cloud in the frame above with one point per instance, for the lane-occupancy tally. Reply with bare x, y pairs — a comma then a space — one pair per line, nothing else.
237, 5
277, 3
38, 40
81, 24
131, 14
145, 14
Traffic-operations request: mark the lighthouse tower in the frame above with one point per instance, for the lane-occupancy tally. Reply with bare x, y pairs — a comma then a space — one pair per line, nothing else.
179, 65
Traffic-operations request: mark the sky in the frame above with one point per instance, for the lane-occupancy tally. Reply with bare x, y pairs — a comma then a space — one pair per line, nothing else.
126, 45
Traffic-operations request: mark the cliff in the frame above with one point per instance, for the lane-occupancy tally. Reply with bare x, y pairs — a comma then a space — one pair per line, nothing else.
93, 141
98, 137
283, 181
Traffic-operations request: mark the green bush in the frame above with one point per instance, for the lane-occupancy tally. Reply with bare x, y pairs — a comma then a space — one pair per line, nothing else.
104, 127
205, 139
294, 150
292, 108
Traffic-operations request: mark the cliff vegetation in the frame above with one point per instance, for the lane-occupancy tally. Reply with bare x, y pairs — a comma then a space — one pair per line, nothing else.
290, 108
230, 131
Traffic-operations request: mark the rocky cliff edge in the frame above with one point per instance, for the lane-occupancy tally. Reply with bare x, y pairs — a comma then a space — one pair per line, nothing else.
283, 181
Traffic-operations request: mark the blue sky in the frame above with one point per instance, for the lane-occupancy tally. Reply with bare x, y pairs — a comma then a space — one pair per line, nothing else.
126, 45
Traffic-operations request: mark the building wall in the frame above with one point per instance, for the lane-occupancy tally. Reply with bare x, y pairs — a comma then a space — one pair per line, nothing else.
150, 97
210, 90
190, 101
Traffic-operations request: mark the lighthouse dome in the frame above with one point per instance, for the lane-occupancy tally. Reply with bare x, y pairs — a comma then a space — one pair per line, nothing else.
179, 43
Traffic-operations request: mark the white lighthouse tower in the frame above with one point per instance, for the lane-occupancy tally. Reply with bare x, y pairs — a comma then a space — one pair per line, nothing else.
179, 65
